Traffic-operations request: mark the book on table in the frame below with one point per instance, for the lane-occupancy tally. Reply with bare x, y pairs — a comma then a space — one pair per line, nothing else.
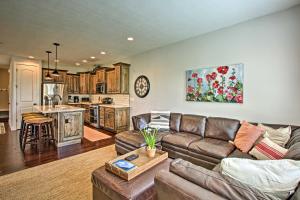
124, 164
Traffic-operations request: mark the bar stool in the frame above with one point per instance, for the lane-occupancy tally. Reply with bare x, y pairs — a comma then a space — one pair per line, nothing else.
27, 116
35, 129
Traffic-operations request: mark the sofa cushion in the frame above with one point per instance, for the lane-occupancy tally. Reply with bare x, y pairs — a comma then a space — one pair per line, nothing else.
181, 139
221, 128
139, 121
135, 139
295, 138
193, 124
215, 182
293, 152
212, 147
239, 154
175, 119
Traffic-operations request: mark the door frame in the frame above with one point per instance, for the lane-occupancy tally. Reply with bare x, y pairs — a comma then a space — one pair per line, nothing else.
15, 61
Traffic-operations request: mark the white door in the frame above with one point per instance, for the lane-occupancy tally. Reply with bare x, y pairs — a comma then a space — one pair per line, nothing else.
27, 89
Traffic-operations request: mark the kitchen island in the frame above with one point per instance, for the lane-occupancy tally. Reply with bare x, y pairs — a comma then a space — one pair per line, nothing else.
67, 122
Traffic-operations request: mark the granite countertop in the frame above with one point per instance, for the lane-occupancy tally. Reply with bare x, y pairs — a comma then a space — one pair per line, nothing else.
101, 104
57, 109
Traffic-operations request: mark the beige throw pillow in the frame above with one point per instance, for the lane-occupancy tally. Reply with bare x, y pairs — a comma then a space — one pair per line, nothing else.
280, 136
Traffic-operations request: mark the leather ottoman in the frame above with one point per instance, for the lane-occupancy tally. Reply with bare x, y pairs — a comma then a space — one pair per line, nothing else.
107, 186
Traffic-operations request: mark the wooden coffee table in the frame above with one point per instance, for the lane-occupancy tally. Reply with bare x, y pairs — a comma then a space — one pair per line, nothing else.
107, 186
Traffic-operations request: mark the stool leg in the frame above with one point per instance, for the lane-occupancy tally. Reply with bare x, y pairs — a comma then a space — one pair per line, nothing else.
21, 133
39, 131
25, 137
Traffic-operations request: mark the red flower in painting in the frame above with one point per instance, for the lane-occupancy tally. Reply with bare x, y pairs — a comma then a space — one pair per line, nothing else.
239, 98
213, 75
199, 81
223, 69
234, 89
229, 97
194, 75
232, 78
208, 77
220, 90
190, 89
216, 84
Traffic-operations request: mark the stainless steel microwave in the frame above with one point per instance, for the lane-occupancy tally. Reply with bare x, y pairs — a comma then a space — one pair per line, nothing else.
100, 88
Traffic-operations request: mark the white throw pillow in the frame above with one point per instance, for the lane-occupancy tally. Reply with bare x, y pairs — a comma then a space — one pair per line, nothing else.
280, 136
278, 178
160, 120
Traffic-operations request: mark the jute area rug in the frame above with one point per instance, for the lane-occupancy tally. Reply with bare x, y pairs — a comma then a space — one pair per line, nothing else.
69, 178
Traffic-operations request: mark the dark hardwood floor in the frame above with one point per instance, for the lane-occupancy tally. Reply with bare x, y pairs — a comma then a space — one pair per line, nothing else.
12, 159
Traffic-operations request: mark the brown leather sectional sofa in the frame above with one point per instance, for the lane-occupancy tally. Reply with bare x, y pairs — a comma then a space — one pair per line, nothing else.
203, 142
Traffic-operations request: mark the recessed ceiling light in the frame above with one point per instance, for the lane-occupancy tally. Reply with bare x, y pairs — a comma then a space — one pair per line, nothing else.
30, 57
84, 61
77, 64
103, 52
93, 57
130, 39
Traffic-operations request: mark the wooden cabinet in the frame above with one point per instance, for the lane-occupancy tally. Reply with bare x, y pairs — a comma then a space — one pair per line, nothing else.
114, 119
100, 76
117, 79
101, 116
84, 83
72, 83
86, 112
109, 119
93, 82
55, 79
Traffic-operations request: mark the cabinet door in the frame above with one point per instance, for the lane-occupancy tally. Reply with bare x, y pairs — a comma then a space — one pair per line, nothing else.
124, 78
110, 81
81, 84
93, 80
76, 84
122, 119
101, 115
117, 79
109, 120
87, 83
100, 76
69, 83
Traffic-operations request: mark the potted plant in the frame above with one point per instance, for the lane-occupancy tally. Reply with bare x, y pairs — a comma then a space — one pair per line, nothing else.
150, 136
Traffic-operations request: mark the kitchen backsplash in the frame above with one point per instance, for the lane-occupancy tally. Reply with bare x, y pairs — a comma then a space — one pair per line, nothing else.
118, 99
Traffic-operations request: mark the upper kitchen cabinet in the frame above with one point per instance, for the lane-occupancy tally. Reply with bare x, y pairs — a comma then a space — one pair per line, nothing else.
93, 83
84, 83
117, 79
72, 82
55, 79
100, 74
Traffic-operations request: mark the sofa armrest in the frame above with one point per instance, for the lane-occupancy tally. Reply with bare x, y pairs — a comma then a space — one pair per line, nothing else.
171, 186
215, 182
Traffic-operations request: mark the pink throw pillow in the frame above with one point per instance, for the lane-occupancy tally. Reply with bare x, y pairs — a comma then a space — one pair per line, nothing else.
247, 136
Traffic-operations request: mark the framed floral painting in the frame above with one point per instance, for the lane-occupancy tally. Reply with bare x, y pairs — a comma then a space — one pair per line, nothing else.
216, 84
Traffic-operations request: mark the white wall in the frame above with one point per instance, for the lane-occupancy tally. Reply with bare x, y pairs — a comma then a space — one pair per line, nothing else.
269, 47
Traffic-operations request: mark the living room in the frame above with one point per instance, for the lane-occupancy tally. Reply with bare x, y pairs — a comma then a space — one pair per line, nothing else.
216, 82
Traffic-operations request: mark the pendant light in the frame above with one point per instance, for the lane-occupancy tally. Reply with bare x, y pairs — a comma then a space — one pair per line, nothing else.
55, 72
48, 77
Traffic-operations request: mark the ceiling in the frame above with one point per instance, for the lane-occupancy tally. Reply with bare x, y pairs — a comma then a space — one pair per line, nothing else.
86, 27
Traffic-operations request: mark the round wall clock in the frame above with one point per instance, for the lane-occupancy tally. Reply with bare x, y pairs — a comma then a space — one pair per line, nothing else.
142, 86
